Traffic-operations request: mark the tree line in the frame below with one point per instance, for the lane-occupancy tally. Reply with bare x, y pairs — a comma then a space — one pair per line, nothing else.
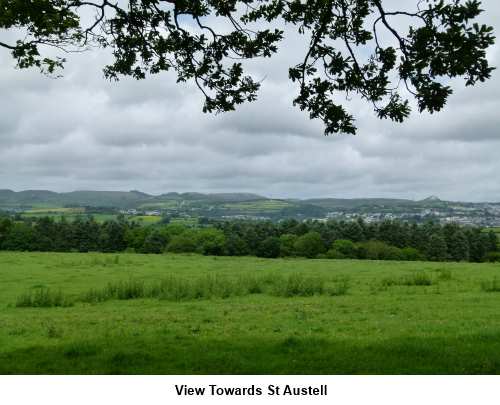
387, 240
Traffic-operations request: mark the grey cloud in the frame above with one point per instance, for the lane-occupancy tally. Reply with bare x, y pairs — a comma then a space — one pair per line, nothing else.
83, 132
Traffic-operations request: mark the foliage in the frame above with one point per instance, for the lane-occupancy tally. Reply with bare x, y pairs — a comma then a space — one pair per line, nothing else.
311, 239
269, 247
493, 257
206, 42
437, 249
346, 248
287, 243
309, 245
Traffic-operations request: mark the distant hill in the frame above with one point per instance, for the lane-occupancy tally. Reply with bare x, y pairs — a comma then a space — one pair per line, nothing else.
117, 199
37, 198
216, 197
246, 205
339, 203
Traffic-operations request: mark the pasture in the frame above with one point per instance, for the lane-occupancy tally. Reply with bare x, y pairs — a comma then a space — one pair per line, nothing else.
71, 313
72, 214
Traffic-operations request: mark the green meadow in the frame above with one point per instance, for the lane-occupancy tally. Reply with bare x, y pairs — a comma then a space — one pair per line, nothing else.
72, 214
72, 313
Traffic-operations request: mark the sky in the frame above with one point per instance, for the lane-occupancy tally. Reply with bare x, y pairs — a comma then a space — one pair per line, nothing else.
82, 132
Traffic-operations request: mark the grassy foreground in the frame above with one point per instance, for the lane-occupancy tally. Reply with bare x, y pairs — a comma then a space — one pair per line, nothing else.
394, 317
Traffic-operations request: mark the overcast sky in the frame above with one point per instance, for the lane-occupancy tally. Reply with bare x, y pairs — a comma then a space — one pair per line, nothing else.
83, 132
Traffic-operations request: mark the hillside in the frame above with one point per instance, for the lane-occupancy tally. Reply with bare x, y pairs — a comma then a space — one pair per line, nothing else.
254, 206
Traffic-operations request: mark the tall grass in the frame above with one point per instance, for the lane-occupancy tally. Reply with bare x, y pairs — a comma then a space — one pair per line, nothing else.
175, 288
491, 286
339, 287
298, 285
122, 290
43, 298
417, 278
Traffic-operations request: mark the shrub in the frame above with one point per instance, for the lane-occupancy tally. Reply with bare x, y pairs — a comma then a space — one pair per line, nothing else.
334, 254
346, 248
411, 254
210, 241
493, 257
309, 245
183, 243
207, 241
377, 250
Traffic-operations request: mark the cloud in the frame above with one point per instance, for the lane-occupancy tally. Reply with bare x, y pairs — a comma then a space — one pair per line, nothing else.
83, 132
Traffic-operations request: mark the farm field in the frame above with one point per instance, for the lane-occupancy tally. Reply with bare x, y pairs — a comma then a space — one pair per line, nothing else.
72, 214
262, 316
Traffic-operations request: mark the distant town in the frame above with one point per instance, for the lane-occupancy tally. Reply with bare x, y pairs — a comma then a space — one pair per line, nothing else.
244, 206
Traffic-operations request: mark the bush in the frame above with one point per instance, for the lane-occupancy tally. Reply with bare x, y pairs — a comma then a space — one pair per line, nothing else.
493, 257
411, 254
210, 241
207, 241
377, 250
346, 248
334, 254
183, 243
309, 245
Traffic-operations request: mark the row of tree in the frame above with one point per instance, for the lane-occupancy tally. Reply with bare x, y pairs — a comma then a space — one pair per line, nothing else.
387, 240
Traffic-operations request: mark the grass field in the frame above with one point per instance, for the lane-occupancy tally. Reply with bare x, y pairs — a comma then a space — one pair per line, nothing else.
71, 215
258, 206
389, 317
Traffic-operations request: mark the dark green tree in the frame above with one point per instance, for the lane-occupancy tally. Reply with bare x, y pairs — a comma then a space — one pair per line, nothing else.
269, 247
112, 237
236, 246
492, 241
437, 250
352, 47
287, 242
155, 242
309, 245
20, 237
347, 248
210, 241
183, 243
478, 244
5, 225
458, 247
